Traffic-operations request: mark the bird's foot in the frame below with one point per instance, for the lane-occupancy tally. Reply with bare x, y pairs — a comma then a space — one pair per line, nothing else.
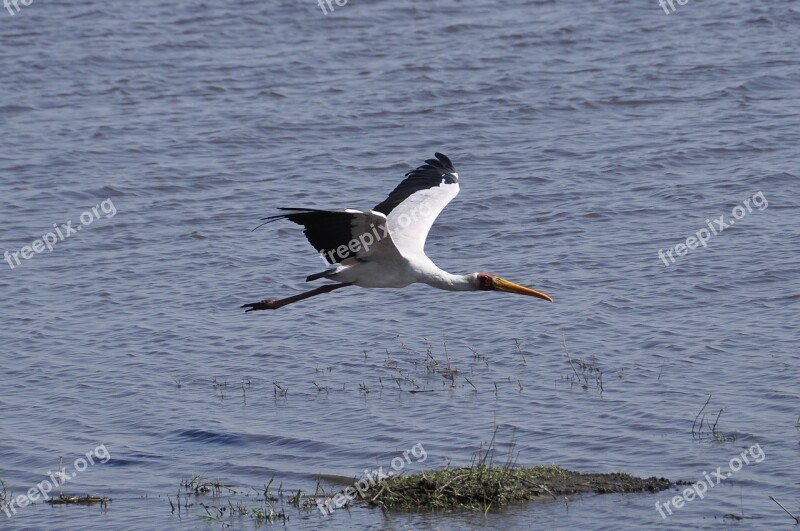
266, 304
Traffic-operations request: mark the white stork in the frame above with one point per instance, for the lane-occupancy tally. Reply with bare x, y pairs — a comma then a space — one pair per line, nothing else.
384, 247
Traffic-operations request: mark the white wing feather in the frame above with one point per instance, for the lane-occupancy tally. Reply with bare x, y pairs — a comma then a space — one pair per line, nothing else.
410, 221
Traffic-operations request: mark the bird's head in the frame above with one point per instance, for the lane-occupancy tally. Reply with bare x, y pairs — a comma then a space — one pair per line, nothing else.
489, 282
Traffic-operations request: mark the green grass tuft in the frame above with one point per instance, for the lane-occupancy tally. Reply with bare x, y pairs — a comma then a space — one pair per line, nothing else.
483, 486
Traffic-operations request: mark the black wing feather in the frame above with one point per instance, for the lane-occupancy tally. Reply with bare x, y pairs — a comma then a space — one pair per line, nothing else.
429, 175
326, 230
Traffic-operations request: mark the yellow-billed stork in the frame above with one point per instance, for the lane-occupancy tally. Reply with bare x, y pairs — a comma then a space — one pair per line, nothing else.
384, 247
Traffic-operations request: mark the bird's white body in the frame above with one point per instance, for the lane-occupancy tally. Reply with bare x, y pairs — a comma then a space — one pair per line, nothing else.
399, 271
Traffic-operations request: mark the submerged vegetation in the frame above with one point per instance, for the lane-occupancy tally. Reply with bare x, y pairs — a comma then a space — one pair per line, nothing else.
483, 487
86, 499
711, 429
420, 367
223, 503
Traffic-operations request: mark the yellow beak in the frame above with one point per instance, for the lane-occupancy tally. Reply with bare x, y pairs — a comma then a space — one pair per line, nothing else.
501, 284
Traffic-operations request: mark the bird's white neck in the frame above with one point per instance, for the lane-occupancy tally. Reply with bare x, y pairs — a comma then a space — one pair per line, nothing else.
443, 280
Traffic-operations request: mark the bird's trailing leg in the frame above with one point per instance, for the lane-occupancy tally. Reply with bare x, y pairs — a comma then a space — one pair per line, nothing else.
271, 304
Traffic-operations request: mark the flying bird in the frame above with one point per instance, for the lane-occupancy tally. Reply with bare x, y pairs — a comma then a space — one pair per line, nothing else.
384, 247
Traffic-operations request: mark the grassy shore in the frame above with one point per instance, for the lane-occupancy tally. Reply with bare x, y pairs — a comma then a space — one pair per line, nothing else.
483, 486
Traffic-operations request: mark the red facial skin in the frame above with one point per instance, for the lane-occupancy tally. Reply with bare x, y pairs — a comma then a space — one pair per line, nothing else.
485, 281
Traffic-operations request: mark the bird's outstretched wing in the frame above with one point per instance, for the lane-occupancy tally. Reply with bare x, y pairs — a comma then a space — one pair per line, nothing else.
413, 206
341, 234
400, 224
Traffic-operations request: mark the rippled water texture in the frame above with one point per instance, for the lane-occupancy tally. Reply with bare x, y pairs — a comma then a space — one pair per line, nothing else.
588, 136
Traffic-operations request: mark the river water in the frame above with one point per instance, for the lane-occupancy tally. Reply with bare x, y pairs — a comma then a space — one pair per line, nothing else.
588, 137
